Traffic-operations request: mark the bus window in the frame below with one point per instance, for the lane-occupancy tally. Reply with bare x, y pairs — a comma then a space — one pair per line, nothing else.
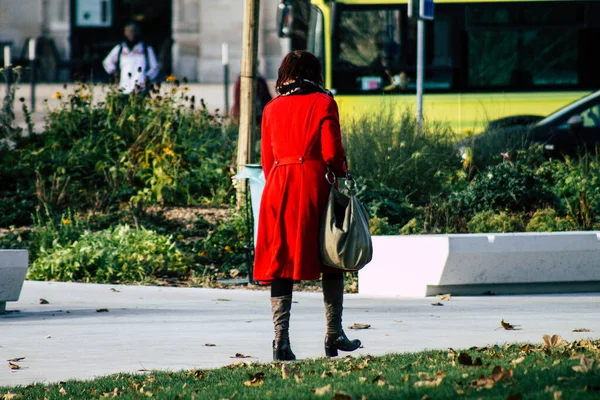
316, 35
523, 46
375, 51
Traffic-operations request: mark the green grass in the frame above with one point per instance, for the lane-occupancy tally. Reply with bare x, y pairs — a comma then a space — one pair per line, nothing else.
500, 372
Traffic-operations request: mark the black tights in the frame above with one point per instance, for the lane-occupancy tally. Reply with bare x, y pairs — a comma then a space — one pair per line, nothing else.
283, 286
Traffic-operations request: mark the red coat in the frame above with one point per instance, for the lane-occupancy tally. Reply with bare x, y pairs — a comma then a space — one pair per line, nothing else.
300, 137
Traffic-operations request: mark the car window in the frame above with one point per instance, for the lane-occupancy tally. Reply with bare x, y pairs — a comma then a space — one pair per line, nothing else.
591, 117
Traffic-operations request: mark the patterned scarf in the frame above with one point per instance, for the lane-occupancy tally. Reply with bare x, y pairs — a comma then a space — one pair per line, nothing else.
303, 86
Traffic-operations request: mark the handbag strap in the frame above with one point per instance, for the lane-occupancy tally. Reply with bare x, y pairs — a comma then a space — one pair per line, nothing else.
350, 183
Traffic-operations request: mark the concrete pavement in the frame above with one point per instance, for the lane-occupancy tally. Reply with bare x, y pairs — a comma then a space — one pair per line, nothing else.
167, 328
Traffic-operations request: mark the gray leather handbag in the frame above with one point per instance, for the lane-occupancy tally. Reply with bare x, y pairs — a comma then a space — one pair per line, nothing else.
345, 238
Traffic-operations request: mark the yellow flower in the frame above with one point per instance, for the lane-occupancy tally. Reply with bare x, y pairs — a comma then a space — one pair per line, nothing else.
185, 89
57, 95
66, 221
228, 248
86, 96
170, 78
168, 152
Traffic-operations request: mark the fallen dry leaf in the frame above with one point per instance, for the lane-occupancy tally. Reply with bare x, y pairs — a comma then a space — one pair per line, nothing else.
222, 299
580, 330
433, 382
483, 382
437, 304
16, 359
285, 371
256, 379
62, 391
236, 364
9, 396
240, 355
362, 379
209, 345
526, 348
553, 341
444, 297
499, 374
509, 327
44, 301
114, 290
102, 310
518, 360
585, 364
557, 395
379, 380
13, 366
114, 394
359, 326
322, 391
197, 373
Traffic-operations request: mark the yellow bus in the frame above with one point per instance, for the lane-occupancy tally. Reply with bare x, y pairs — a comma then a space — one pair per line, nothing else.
484, 59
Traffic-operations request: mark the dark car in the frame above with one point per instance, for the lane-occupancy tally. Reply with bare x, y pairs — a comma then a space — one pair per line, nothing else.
572, 129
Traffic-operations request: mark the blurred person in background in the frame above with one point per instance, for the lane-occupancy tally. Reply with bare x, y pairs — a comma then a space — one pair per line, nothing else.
132, 63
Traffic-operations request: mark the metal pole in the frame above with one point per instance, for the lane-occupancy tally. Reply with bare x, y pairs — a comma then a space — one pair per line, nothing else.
420, 70
247, 90
32, 43
7, 67
225, 57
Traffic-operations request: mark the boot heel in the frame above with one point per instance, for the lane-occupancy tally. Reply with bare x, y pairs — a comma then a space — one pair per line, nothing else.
331, 351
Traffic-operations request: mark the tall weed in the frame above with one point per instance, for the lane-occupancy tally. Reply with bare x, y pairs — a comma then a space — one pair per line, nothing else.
387, 151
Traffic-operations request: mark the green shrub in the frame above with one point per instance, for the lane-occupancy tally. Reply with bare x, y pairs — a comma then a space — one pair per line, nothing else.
576, 183
494, 146
490, 221
384, 202
159, 150
412, 227
225, 246
120, 254
547, 220
381, 226
507, 187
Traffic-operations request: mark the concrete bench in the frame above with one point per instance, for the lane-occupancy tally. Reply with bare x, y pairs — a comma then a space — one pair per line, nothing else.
13, 268
512, 263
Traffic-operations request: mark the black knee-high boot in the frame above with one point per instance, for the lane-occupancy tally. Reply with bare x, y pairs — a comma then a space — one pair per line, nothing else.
335, 338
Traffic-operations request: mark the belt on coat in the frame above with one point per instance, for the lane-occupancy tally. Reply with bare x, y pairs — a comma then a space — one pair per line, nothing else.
294, 160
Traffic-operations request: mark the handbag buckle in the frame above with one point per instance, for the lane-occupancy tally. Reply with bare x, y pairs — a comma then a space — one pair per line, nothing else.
350, 183
330, 176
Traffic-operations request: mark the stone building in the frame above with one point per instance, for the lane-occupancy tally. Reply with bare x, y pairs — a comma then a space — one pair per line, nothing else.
187, 35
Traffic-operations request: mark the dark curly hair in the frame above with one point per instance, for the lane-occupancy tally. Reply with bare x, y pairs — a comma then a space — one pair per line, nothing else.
299, 64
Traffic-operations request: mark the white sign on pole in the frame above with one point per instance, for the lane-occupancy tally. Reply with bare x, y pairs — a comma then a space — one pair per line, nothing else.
7, 60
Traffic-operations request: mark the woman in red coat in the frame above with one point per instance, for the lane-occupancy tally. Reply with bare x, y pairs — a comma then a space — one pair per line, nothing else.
300, 139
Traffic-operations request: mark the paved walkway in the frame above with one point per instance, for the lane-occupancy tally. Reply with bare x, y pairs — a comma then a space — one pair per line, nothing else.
167, 328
